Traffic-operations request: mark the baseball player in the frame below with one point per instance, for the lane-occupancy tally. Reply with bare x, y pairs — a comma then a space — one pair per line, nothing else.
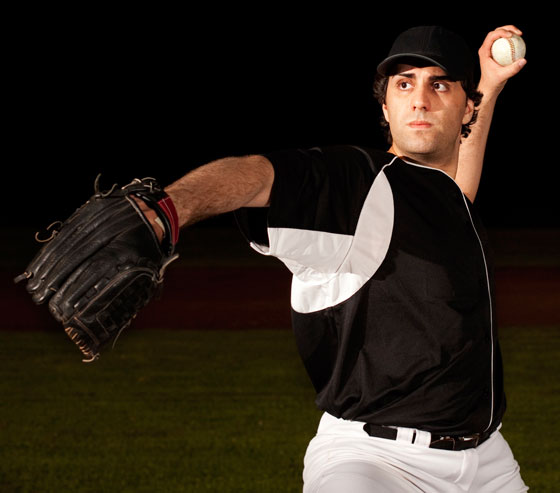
392, 295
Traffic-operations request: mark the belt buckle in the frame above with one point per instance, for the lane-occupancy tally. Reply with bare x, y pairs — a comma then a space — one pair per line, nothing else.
472, 440
441, 443
456, 442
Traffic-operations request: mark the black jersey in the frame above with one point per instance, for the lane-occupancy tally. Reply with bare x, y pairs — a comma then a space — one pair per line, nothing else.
392, 293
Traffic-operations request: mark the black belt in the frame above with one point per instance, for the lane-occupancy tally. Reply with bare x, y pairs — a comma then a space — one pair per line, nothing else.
437, 441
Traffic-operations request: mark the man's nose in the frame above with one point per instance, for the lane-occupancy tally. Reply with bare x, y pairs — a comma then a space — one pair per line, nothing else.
421, 98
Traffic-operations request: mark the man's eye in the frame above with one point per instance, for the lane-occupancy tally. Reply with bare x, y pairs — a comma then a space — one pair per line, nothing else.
440, 86
404, 84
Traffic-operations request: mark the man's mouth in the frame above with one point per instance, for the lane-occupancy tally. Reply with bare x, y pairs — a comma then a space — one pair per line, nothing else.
419, 124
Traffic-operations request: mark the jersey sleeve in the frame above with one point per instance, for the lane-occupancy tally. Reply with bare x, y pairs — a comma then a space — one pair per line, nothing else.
315, 203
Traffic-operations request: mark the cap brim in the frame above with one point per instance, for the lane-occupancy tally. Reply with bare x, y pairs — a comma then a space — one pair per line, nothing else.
384, 67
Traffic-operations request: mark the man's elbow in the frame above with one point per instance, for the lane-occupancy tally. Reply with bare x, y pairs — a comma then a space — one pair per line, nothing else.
263, 171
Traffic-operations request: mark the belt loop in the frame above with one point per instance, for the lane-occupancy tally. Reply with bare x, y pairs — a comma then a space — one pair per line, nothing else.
423, 438
405, 435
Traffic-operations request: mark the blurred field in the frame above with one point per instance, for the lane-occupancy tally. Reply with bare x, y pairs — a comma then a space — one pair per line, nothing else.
165, 411
195, 411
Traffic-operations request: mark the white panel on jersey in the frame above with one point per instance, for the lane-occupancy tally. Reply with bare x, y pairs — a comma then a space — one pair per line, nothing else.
302, 249
329, 268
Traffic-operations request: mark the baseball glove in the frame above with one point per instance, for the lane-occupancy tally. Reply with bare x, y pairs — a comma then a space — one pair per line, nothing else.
104, 263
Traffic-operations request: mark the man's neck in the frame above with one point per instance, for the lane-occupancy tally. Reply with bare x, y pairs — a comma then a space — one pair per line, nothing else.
448, 166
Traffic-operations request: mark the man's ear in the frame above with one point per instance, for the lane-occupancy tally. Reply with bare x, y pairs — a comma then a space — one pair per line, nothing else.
469, 109
385, 112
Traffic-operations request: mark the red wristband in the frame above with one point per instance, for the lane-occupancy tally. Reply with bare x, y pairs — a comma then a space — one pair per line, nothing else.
168, 207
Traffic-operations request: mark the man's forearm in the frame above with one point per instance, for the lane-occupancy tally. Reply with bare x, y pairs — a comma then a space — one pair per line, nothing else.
222, 186
472, 149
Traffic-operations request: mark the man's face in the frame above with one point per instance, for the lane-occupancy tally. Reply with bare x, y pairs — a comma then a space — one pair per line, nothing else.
425, 111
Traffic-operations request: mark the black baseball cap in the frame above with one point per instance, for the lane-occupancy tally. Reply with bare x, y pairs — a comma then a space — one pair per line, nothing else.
432, 44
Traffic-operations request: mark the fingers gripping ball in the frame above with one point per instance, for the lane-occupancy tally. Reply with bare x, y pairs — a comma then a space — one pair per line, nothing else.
104, 264
505, 51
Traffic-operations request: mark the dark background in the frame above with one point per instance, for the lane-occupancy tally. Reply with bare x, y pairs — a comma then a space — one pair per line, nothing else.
141, 92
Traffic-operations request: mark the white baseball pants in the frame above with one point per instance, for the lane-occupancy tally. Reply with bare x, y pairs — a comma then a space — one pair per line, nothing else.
343, 458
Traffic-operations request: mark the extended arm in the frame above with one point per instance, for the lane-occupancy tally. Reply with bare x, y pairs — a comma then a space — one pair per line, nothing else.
492, 81
222, 186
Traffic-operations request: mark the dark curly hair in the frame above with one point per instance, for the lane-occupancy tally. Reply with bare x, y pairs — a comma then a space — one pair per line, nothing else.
380, 90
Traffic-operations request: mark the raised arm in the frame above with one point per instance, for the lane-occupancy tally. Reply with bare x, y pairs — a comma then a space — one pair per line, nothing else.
492, 80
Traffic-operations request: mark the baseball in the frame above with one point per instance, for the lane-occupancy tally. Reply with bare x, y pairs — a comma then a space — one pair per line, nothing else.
505, 51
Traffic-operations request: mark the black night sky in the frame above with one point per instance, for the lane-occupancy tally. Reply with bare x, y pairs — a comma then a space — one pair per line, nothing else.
156, 93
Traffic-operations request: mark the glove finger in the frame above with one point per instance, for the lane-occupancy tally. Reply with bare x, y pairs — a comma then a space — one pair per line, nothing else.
62, 243
77, 244
94, 274
82, 285
73, 242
